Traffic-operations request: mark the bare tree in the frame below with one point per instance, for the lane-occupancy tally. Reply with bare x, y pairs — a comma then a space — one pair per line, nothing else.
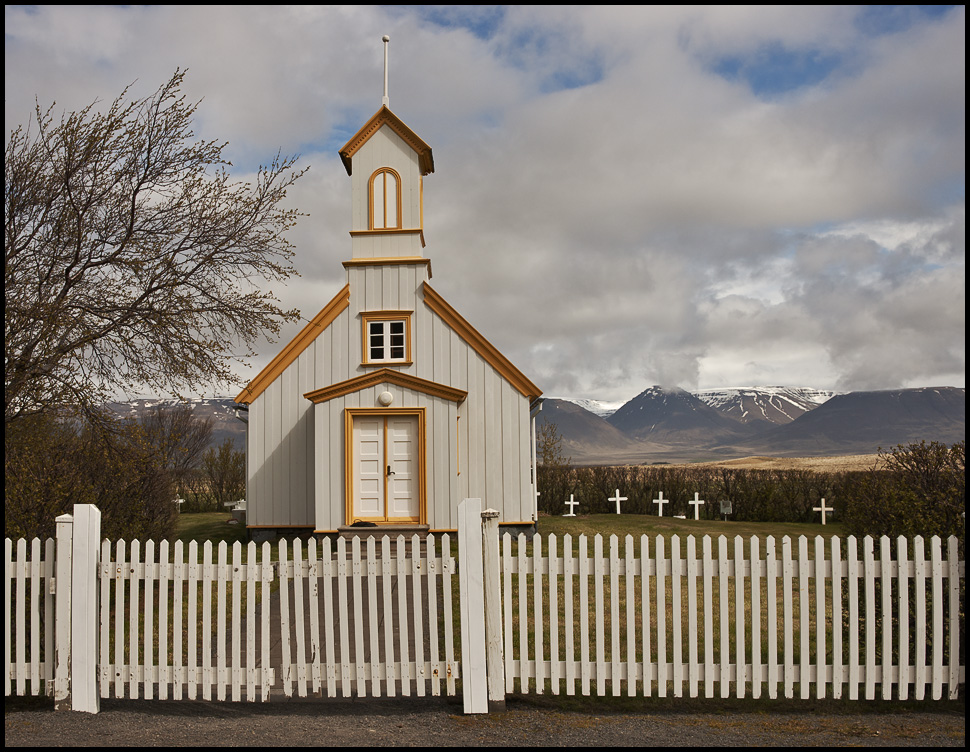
131, 259
224, 470
177, 439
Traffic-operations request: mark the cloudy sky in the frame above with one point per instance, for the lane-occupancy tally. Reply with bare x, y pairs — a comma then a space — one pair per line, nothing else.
685, 196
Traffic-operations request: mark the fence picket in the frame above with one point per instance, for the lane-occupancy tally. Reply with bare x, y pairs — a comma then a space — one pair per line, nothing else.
525, 670
583, 614
252, 570
614, 565
434, 566
820, 679
885, 588
148, 633
936, 568
804, 613
869, 571
631, 619
554, 664
854, 602
772, 603
598, 572
725, 621
676, 646
739, 616
757, 669
838, 675
661, 617
569, 572
902, 575
164, 578
645, 614
538, 613
693, 666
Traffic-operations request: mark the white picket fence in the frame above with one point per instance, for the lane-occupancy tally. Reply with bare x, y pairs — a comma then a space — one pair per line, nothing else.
656, 618
174, 622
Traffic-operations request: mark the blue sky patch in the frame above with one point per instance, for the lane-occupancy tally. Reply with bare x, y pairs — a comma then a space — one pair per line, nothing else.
775, 70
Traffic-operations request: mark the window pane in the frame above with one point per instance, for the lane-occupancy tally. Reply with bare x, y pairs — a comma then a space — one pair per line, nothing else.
390, 195
377, 201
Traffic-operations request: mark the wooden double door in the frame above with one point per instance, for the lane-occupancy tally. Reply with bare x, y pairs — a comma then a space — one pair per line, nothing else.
386, 458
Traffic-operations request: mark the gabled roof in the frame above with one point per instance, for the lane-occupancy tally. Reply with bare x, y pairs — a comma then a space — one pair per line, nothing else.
433, 301
479, 344
386, 375
292, 351
385, 117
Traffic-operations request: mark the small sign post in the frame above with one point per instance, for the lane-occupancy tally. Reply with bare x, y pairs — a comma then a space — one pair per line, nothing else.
726, 508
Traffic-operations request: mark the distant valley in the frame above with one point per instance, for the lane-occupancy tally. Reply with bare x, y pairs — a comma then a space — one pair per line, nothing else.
672, 425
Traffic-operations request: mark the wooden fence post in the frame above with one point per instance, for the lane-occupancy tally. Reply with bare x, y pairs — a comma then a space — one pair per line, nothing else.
493, 611
62, 612
471, 583
84, 609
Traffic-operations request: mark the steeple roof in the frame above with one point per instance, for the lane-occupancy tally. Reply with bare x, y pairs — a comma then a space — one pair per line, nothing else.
385, 117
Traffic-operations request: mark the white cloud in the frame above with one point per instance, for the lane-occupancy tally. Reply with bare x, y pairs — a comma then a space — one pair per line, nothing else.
609, 207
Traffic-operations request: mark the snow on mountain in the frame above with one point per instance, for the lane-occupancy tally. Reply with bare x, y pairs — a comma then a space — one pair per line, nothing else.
597, 407
774, 404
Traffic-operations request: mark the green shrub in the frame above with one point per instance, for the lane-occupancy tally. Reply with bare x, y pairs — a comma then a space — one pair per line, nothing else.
919, 489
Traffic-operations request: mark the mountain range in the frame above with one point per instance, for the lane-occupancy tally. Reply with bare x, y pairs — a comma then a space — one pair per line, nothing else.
673, 425
664, 424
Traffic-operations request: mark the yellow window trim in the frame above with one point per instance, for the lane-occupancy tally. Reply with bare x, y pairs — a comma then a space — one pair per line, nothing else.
371, 225
366, 317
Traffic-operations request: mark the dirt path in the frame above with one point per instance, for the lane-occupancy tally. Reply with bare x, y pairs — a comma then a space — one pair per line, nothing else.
528, 721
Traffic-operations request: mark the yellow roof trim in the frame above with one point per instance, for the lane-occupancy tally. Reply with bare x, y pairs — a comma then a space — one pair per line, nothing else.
390, 376
293, 350
389, 261
479, 344
385, 117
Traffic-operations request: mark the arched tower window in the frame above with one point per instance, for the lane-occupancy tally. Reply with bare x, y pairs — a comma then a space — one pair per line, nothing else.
385, 200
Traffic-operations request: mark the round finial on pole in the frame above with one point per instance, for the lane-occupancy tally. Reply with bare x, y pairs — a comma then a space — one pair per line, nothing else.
385, 39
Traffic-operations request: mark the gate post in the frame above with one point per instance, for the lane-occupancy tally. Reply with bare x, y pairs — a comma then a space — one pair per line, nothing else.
62, 611
493, 611
471, 584
84, 612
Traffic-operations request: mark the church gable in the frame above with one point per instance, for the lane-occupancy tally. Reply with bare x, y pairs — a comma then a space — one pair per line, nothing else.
388, 406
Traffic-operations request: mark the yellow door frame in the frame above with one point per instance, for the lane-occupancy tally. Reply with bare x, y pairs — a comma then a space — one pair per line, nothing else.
352, 412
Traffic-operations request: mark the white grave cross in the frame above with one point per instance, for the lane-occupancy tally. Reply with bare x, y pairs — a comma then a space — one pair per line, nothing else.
660, 501
823, 509
696, 501
617, 499
571, 504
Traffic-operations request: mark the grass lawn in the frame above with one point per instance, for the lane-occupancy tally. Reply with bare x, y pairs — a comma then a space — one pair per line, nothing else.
636, 525
212, 526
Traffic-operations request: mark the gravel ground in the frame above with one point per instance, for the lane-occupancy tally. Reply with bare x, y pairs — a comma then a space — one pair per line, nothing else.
526, 722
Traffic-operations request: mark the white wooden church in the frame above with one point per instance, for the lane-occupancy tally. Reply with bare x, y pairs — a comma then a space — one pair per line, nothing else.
389, 407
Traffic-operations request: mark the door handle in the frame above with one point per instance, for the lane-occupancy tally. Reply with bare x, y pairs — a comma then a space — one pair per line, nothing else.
389, 471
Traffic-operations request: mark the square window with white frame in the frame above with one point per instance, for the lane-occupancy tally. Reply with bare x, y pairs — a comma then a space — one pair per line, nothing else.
387, 338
